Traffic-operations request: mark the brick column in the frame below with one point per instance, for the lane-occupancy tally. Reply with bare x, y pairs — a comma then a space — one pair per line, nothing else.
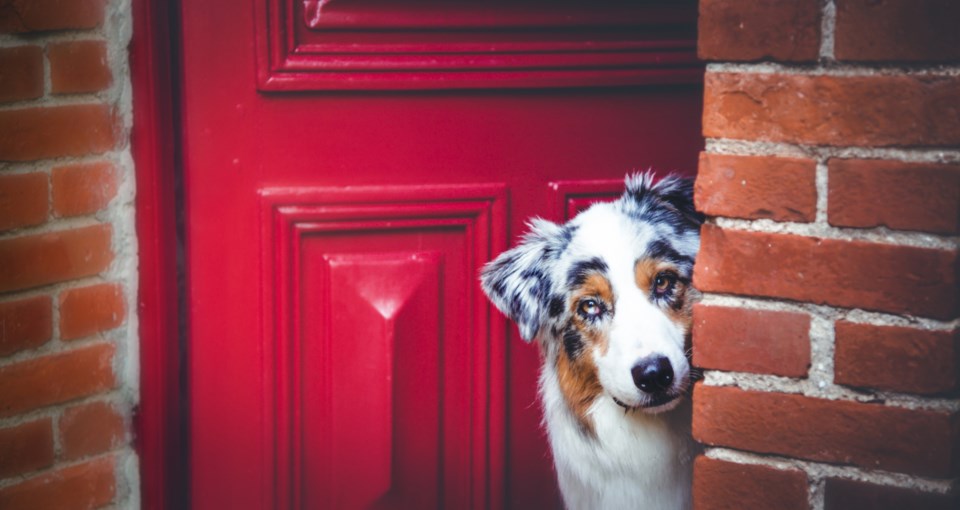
68, 356
828, 328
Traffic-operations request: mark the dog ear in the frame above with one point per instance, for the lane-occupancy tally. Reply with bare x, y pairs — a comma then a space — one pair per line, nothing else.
672, 192
518, 282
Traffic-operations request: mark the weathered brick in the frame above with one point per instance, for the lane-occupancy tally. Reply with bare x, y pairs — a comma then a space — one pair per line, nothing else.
849, 274
871, 436
55, 379
83, 189
17, 16
90, 310
21, 73
754, 187
720, 485
49, 132
840, 494
879, 110
895, 194
759, 29
84, 486
26, 447
758, 341
90, 429
896, 358
41, 259
25, 324
79, 66
23, 200
897, 30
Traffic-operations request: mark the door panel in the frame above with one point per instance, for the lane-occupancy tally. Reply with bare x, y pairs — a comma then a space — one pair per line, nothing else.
377, 354
340, 351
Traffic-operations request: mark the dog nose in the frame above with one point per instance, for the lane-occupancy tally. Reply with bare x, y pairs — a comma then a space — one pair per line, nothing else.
652, 374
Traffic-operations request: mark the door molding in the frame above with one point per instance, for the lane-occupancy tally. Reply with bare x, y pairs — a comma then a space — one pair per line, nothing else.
438, 44
159, 416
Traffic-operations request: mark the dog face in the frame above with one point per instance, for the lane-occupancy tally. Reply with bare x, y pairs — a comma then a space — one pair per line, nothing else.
608, 295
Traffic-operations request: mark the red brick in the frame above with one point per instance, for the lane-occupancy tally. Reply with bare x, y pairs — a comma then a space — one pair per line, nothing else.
21, 73
83, 189
720, 485
17, 16
79, 66
896, 358
90, 429
759, 29
849, 274
758, 341
55, 379
897, 30
754, 187
38, 133
41, 259
870, 436
840, 494
903, 196
84, 486
26, 447
23, 200
90, 310
25, 324
880, 110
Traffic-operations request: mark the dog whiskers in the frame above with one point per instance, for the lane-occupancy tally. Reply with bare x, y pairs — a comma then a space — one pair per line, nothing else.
696, 374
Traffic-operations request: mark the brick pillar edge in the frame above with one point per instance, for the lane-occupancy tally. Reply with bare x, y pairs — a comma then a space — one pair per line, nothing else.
828, 328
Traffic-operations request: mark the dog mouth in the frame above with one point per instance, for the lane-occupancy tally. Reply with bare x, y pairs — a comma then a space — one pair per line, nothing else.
653, 404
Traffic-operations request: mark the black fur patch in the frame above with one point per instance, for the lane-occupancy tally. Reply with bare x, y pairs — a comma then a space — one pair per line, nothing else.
581, 270
572, 342
500, 265
664, 251
499, 287
556, 306
669, 202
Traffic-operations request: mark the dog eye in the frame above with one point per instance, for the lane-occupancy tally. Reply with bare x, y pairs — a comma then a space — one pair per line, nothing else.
664, 283
591, 308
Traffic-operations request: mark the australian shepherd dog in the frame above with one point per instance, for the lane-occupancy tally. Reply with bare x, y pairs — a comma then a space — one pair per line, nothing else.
608, 297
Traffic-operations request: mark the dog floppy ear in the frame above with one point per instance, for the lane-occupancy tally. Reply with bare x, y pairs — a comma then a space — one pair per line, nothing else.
517, 282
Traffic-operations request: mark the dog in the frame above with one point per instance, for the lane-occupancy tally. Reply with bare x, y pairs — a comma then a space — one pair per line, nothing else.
608, 296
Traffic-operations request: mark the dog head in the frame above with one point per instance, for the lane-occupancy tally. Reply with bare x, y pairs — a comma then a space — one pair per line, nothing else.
608, 295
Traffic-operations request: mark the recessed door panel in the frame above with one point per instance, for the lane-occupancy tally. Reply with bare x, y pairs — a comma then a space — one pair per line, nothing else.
378, 362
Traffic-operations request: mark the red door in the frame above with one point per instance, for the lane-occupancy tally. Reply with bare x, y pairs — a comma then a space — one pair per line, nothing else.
348, 167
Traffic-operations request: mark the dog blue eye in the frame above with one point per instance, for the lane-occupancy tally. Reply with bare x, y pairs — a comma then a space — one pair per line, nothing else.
664, 283
591, 308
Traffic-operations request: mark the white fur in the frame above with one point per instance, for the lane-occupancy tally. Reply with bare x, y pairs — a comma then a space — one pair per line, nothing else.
637, 460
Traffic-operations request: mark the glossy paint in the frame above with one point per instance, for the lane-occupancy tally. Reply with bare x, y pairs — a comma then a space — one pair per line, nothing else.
340, 353
436, 44
158, 420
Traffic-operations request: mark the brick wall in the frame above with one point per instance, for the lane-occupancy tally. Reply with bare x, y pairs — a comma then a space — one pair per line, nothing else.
68, 359
828, 329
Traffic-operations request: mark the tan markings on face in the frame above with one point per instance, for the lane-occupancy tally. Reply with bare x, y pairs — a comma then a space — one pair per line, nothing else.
580, 385
645, 274
578, 377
